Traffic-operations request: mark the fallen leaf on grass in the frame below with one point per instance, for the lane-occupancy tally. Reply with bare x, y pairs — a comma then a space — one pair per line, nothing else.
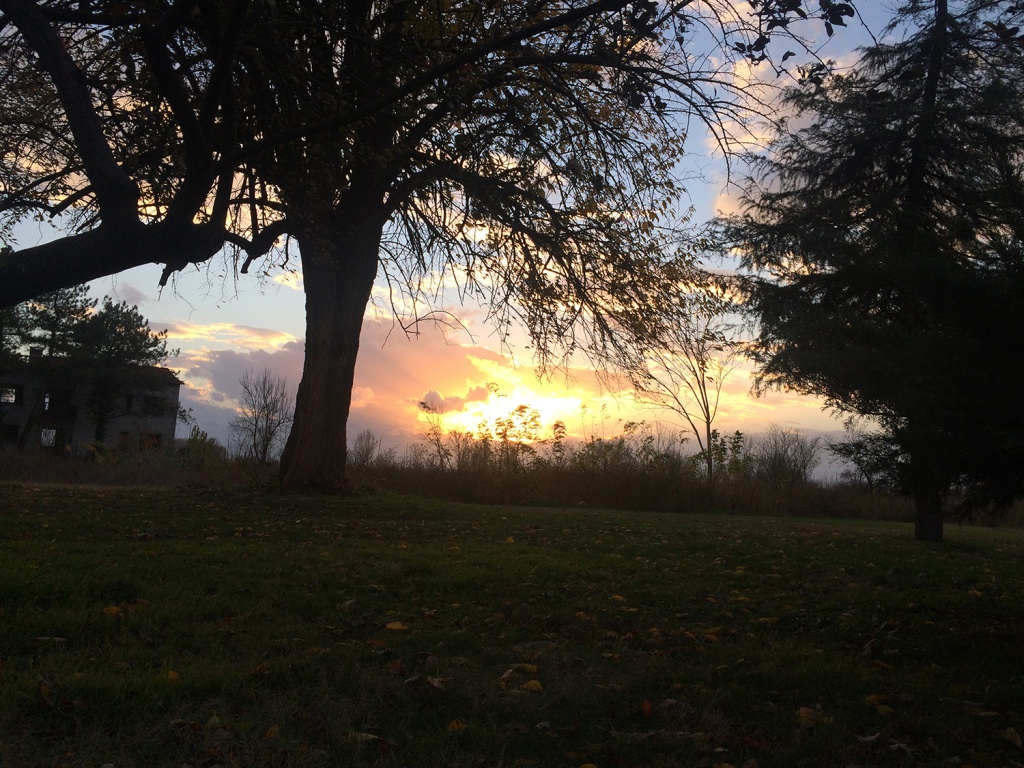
438, 682
396, 626
456, 726
172, 677
878, 702
806, 717
533, 686
1012, 736
646, 708
112, 611
46, 693
977, 709
271, 733
355, 737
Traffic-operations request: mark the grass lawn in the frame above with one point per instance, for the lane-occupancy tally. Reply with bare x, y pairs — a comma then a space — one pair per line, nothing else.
230, 628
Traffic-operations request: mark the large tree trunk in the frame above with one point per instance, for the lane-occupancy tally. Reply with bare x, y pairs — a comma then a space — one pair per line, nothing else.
928, 516
339, 264
927, 488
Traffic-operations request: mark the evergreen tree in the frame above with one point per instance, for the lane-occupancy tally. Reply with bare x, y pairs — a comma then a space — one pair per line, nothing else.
111, 346
119, 336
13, 327
885, 249
54, 317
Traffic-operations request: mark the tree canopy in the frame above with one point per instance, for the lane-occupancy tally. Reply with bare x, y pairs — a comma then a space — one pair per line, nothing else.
53, 320
66, 323
884, 239
526, 152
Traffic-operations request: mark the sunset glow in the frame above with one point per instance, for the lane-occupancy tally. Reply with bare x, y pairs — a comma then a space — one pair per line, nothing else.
459, 367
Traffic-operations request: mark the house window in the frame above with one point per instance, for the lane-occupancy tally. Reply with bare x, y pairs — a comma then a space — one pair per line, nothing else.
124, 441
48, 437
153, 406
8, 434
10, 395
46, 402
149, 442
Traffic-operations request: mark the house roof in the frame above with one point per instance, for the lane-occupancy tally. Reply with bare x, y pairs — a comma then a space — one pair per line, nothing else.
158, 375
141, 375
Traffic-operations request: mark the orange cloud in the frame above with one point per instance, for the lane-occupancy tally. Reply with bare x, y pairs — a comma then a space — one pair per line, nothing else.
242, 336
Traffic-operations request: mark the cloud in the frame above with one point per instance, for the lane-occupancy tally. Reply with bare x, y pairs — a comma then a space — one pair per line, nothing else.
215, 374
129, 293
392, 373
243, 336
438, 404
290, 279
362, 397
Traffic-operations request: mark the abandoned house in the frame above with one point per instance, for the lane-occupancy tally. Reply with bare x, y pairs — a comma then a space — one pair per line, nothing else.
55, 405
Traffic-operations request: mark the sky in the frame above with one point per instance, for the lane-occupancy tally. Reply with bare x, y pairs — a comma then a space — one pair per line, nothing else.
225, 325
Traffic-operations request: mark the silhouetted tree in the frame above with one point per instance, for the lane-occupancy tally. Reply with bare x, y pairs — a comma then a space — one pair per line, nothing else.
685, 374
112, 345
264, 415
53, 320
13, 328
885, 243
785, 458
527, 150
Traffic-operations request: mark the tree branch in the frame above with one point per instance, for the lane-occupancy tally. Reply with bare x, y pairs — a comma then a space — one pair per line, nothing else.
116, 194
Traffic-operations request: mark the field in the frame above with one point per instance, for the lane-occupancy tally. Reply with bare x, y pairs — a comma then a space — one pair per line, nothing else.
201, 628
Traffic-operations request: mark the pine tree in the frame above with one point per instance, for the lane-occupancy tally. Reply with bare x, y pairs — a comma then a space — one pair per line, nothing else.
54, 317
111, 346
884, 244
13, 325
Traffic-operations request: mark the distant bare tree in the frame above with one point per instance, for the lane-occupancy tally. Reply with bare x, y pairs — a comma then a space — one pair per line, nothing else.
265, 416
686, 374
368, 452
785, 458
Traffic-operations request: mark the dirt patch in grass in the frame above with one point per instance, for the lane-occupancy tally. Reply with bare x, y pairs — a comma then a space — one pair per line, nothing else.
222, 627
